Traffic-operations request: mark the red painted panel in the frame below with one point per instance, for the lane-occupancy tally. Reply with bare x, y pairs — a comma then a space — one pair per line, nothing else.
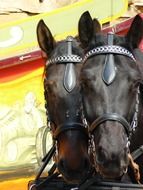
16, 71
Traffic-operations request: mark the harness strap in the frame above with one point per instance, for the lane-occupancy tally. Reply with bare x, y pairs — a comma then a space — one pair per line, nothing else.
137, 153
46, 160
70, 126
109, 70
111, 117
69, 80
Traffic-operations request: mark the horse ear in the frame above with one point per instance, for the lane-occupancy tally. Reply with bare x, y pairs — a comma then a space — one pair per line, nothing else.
135, 33
85, 28
96, 25
44, 37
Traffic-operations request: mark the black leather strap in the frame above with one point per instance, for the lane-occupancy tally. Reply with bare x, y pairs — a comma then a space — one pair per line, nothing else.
109, 70
110, 117
137, 153
70, 126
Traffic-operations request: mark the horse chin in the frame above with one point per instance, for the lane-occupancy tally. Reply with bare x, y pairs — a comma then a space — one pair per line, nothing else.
73, 178
110, 174
71, 181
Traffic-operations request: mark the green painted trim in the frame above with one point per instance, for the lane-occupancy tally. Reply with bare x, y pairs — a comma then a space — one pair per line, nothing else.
65, 22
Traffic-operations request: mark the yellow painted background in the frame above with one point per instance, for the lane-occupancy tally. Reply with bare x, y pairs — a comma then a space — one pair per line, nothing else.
15, 90
11, 93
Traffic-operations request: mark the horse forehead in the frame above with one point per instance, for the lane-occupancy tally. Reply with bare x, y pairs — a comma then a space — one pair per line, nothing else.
61, 48
102, 39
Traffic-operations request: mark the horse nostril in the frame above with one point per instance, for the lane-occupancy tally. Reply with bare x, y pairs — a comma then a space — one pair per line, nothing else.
125, 169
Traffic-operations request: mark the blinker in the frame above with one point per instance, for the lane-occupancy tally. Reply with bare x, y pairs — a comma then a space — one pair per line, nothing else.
109, 70
69, 80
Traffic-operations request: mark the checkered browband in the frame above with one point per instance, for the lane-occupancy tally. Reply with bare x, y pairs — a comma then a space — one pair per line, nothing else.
107, 49
65, 59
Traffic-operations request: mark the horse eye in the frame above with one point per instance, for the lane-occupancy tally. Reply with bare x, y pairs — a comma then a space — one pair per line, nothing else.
84, 84
49, 89
50, 86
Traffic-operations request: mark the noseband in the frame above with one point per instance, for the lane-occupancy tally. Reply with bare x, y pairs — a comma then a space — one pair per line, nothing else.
108, 76
111, 117
69, 82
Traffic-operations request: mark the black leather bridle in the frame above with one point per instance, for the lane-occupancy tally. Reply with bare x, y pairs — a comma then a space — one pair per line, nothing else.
111, 117
69, 82
108, 76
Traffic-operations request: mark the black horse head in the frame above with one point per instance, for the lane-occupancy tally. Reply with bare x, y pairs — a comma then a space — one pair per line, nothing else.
110, 78
64, 103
